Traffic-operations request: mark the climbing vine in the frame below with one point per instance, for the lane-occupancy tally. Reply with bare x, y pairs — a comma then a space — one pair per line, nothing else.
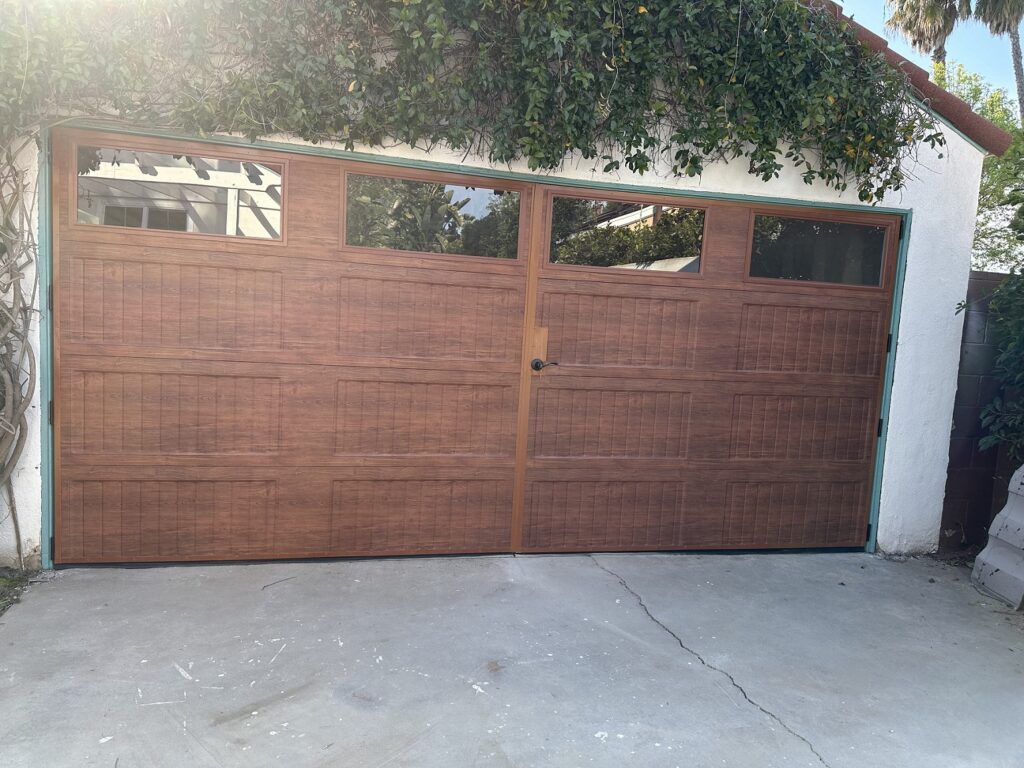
676, 84
773, 81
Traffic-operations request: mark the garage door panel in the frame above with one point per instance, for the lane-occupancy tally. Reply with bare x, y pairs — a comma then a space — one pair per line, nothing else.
638, 514
610, 330
117, 412
591, 420
825, 340
709, 330
416, 417
296, 355
421, 514
179, 306
726, 236
801, 427
396, 264
427, 319
116, 519
612, 514
810, 513
312, 199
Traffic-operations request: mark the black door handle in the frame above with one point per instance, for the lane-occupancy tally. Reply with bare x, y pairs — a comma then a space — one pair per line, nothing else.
537, 364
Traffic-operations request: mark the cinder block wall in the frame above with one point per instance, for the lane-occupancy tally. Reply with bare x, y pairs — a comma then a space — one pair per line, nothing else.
977, 480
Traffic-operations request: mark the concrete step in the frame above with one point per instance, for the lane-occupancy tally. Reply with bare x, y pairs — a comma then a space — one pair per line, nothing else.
999, 569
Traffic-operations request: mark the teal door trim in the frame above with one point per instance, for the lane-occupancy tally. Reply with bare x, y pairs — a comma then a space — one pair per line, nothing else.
44, 273
890, 369
44, 267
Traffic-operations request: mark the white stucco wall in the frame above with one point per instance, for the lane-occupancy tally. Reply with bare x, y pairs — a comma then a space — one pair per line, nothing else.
27, 479
928, 353
943, 197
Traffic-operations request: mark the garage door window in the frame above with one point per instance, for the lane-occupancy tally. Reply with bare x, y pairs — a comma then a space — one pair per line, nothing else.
822, 251
179, 193
626, 235
431, 217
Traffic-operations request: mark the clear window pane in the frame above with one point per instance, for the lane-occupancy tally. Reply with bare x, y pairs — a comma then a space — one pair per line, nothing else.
823, 251
180, 193
431, 216
607, 233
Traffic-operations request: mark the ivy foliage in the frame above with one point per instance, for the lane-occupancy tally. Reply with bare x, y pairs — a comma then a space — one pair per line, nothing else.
616, 81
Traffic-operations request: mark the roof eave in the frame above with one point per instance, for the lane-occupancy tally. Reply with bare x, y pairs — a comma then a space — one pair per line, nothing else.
951, 109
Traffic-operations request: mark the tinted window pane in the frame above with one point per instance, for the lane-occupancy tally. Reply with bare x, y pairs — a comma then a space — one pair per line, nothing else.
429, 216
183, 193
824, 251
606, 233
121, 216
166, 218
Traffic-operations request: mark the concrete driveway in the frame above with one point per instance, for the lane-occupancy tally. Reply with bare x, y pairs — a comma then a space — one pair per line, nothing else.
613, 660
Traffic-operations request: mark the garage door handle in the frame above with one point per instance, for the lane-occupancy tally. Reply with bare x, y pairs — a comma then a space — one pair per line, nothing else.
537, 364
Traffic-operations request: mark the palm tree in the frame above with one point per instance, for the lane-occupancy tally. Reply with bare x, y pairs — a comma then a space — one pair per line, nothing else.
927, 23
1003, 17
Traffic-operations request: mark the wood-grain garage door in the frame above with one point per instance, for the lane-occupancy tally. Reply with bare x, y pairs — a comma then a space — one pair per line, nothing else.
721, 394
266, 355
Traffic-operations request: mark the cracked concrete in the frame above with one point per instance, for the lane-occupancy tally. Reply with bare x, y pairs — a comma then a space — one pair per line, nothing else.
704, 662
695, 661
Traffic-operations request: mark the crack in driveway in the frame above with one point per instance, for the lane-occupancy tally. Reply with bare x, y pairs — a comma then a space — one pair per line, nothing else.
705, 663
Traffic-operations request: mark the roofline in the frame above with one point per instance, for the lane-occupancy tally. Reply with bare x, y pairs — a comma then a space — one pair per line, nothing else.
952, 109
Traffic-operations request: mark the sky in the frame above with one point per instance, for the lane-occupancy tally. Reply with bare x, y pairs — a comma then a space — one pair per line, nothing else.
971, 44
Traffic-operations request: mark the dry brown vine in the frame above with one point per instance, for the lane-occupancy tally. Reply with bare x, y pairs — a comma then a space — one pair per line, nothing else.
18, 250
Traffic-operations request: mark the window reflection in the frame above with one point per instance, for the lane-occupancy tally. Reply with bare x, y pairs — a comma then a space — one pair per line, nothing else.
179, 193
823, 251
608, 233
407, 215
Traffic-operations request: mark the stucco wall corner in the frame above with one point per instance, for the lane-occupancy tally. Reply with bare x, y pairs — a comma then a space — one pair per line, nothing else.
944, 199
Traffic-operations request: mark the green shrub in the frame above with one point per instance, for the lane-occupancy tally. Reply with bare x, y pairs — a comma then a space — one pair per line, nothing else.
1004, 416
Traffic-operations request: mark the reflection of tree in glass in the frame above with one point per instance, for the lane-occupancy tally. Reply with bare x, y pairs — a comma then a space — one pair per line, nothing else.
401, 214
497, 233
586, 232
425, 216
809, 249
88, 160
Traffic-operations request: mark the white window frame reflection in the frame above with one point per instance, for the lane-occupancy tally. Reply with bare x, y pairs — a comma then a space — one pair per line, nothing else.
649, 209
147, 186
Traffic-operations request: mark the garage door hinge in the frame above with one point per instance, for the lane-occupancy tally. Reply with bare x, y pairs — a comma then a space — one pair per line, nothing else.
49, 297
888, 344
880, 427
49, 411
868, 533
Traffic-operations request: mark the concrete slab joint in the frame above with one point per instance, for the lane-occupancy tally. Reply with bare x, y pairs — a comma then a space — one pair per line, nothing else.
999, 569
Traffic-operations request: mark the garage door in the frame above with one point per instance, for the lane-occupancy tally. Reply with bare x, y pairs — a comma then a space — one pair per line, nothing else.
271, 355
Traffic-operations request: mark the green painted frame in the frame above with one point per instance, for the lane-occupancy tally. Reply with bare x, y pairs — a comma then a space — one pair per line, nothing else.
890, 370
44, 274
46, 255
